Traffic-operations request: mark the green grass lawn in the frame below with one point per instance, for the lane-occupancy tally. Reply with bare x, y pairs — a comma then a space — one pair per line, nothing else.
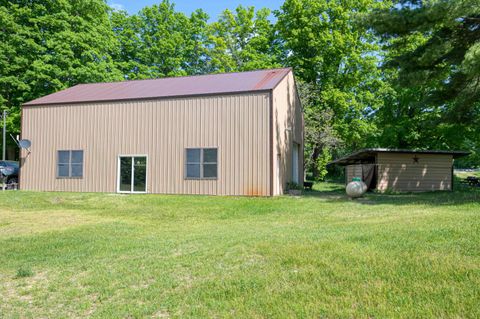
65, 255
463, 175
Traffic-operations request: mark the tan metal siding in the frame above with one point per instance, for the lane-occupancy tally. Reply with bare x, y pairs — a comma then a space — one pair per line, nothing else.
162, 129
353, 171
287, 129
399, 172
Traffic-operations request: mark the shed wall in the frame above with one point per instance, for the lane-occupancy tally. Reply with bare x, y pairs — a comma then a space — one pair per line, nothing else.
287, 129
352, 171
399, 172
237, 124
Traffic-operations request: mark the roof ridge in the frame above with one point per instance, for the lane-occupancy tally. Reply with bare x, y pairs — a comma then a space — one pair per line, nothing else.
220, 83
185, 76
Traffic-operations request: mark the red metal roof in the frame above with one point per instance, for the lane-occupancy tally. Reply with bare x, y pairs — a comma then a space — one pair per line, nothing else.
167, 87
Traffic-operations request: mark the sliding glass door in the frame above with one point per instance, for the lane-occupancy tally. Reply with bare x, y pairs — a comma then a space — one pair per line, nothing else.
132, 174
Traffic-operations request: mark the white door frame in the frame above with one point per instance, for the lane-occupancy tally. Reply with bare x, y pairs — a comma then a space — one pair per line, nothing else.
133, 173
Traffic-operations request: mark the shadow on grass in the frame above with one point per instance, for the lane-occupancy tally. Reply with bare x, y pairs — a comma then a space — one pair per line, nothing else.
336, 193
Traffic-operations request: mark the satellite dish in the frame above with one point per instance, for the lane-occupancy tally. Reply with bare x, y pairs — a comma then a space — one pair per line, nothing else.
25, 144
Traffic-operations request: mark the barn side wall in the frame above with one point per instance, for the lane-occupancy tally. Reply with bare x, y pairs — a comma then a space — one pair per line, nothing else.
287, 130
237, 124
400, 172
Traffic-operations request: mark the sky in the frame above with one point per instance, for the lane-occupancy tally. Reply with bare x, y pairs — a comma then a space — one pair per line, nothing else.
212, 7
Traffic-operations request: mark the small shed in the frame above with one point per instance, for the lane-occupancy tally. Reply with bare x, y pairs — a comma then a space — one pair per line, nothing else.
400, 169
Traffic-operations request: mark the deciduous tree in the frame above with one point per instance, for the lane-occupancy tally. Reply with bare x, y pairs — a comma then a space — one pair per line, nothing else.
159, 42
244, 40
51, 45
434, 61
338, 56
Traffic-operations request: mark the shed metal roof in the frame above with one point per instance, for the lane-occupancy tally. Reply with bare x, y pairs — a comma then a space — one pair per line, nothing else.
251, 81
368, 154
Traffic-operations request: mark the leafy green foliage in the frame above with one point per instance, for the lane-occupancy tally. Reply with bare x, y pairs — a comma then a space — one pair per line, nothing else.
244, 40
159, 42
51, 45
336, 56
433, 62
320, 135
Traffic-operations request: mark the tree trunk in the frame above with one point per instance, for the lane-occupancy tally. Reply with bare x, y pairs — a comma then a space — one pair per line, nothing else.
315, 155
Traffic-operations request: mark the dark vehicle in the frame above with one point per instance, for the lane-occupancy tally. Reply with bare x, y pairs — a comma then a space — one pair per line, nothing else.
9, 170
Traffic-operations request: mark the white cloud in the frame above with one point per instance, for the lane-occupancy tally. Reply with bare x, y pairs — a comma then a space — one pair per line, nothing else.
116, 6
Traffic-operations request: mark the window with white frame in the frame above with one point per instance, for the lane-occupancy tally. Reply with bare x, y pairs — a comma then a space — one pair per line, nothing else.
70, 164
201, 163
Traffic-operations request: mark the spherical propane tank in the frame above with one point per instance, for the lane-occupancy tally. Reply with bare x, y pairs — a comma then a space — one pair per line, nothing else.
356, 188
